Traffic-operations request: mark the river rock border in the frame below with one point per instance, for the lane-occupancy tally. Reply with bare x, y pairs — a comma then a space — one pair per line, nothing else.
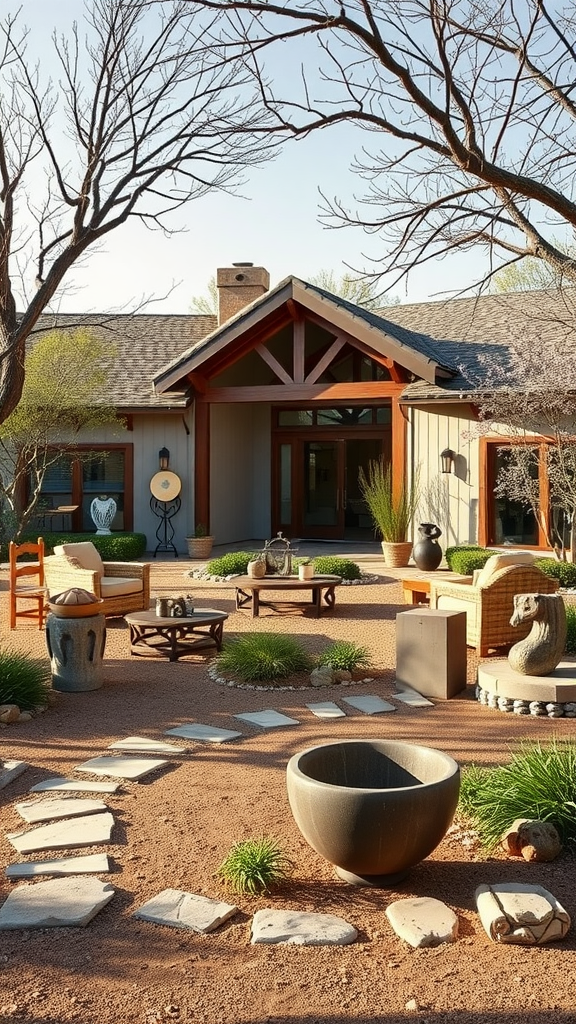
215, 677
537, 708
201, 574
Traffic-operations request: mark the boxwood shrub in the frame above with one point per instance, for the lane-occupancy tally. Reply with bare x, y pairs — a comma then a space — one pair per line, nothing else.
465, 560
564, 572
117, 547
235, 563
332, 565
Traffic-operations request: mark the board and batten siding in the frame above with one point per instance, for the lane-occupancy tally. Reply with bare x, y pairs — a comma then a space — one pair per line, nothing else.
448, 499
240, 472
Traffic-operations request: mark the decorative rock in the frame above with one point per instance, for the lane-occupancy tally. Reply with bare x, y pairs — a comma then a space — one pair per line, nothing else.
9, 713
178, 909
522, 914
25, 716
300, 929
61, 835
536, 707
55, 904
533, 840
322, 676
92, 863
423, 922
10, 770
341, 675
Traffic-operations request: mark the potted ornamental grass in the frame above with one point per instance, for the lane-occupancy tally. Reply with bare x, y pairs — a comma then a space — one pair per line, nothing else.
200, 542
305, 569
392, 509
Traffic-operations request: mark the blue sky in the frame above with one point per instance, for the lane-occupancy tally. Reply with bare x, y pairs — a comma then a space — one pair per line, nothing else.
273, 224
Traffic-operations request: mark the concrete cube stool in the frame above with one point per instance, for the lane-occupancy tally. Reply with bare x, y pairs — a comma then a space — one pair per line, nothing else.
431, 652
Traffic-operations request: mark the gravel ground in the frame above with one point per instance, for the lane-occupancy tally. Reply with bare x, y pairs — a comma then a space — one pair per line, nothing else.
173, 830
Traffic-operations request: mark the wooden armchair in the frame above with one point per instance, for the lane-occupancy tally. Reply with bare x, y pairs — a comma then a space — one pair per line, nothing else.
124, 586
33, 588
490, 602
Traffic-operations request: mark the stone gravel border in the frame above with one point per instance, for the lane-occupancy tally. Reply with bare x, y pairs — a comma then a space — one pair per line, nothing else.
537, 708
213, 675
200, 574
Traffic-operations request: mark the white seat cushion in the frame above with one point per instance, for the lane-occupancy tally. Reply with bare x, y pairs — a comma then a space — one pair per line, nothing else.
117, 586
85, 553
501, 561
455, 604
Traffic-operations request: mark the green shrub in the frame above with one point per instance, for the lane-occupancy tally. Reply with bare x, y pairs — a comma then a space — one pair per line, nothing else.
564, 572
467, 560
24, 681
571, 629
255, 657
117, 547
235, 563
345, 655
252, 866
332, 565
451, 551
539, 782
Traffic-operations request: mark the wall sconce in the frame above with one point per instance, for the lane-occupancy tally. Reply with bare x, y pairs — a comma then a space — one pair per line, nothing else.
447, 458
164, 458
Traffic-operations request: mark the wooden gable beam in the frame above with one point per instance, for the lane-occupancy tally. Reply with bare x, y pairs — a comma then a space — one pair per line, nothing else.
273, 363
324, 362
226, 358
397, 372
298, 350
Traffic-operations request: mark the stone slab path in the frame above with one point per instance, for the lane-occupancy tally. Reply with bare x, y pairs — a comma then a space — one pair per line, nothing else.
10, 770
91, 864
49, 810
145, 745
268, 719
326, 709
301, 929
65, 835
369, 704
74, 786
56, 903
204, 733
423, 922
178, 909
413, 699
133, 768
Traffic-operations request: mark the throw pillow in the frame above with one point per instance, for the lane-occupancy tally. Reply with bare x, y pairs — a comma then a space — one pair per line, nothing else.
500, 561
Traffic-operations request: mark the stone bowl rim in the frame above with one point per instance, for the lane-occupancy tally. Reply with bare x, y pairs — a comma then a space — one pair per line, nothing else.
452, 767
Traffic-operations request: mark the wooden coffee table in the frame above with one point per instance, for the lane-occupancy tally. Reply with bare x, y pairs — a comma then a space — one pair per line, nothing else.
322, 589
168, 637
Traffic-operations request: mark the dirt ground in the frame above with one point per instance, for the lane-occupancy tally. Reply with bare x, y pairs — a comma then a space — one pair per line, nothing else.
174, 829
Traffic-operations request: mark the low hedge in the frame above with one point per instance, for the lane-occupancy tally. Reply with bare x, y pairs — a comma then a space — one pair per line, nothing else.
116, 547
465, 560
564, 572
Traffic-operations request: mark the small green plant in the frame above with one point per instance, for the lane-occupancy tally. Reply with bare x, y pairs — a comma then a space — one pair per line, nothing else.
346, 656
455, 548
539, 782
234, 563
255, 657
564, 572
24, 681
200, 530
332, 565
467, 560
254, 865
571, 629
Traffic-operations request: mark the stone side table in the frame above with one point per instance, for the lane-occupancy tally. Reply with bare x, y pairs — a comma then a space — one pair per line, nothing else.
76, 649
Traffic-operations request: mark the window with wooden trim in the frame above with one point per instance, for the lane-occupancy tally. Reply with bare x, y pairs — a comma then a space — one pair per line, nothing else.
86, 472
502, 521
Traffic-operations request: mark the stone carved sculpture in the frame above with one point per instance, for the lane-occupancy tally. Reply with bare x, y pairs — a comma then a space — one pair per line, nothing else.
103, 511
541, 651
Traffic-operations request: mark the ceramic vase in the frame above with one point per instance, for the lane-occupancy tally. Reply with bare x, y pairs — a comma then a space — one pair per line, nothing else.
427, 553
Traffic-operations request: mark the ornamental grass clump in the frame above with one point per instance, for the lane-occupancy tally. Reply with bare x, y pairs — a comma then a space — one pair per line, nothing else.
344, 655
258, 657
539, 783
391, 508
255, 865
24, 681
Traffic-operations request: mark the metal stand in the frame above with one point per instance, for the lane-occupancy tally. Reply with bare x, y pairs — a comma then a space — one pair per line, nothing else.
165, 512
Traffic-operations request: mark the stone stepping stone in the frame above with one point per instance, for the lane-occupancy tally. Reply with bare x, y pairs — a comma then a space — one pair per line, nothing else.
369, 705
91, 864
10, 770
204, 733
523, 914
63, 835
423, 922
178, 909
413, 699
75, 786
57, 903
146, 745
301, 929
50, 810
121, 767
268, 719
326, 709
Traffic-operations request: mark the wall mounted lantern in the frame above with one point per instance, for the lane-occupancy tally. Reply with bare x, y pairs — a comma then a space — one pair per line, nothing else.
447, 458
164, 458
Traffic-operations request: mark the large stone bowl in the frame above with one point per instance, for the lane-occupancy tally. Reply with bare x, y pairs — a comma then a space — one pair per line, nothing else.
373, 808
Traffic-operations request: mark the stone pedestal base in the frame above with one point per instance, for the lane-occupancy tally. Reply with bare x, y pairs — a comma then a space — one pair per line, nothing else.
554, 695
431, 652
76, 649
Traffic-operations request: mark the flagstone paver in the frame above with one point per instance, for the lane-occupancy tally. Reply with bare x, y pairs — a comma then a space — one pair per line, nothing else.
75, 786
178, 909
10, 770
121, 767
413, 699
423, 921
92, 863
204, 733
57, 903
326, 709
63, 835
521, 913
369, 704
301, 929
268, 719
146, 745
49, 810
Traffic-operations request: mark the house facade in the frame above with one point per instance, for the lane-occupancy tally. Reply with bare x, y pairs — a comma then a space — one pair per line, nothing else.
270, 409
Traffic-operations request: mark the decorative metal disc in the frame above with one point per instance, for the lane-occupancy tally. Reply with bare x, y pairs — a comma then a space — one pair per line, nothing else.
165, 485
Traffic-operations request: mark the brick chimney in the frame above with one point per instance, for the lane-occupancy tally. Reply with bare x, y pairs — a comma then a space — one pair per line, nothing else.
238, 286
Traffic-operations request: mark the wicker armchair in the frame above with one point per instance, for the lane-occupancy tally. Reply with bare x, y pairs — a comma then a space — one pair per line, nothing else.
124, 586
489, 606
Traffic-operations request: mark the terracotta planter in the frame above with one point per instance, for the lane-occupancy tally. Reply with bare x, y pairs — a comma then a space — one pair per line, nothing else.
396, 555
199, 547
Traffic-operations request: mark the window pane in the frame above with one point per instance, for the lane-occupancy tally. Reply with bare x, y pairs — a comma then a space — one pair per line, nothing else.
384, 414
295, 417
343, 417
103, 477
285, 484
57, 484
514, 523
